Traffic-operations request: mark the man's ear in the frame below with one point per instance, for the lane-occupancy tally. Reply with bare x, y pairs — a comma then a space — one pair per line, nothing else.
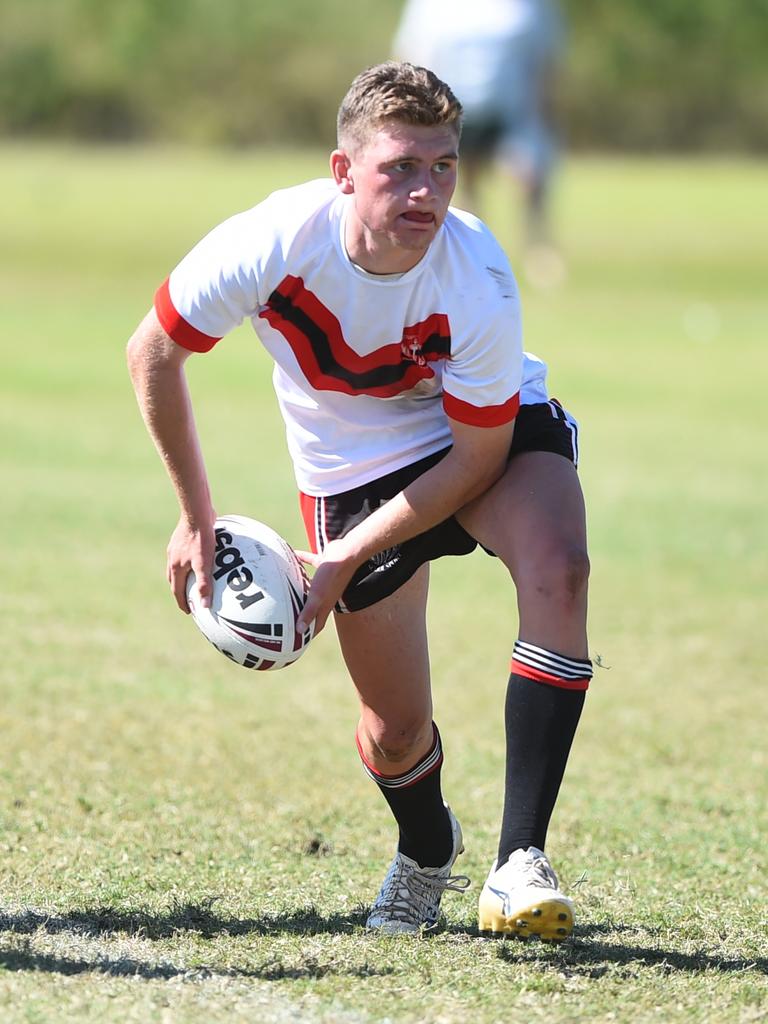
340, 168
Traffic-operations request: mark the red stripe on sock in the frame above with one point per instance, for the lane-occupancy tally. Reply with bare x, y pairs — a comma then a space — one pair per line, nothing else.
389, 778
518, 669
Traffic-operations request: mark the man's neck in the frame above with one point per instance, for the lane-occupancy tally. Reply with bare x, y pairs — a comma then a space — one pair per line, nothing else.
377, 255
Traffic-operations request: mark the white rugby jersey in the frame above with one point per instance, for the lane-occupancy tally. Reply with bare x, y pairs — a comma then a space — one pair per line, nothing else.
367, 368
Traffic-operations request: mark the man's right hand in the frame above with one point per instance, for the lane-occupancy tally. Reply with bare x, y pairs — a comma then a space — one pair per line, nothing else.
191, 548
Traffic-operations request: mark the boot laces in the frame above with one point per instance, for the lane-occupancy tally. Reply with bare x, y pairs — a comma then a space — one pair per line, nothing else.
413, 894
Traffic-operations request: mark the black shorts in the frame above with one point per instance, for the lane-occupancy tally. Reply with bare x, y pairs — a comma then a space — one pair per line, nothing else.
544, 427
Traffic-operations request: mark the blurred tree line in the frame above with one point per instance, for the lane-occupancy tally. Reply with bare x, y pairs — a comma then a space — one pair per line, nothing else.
639, 74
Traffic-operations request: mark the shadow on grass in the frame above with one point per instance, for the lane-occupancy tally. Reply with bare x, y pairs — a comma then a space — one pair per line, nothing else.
127, 967
588, 957
180, 919
197, 918
584, 955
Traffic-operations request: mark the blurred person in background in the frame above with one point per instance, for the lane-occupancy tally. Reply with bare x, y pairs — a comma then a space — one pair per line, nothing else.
500, 57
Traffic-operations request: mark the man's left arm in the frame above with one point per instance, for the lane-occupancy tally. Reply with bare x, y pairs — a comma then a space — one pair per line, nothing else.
474, 463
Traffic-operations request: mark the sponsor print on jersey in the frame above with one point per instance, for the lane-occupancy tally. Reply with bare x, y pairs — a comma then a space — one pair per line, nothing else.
330, 364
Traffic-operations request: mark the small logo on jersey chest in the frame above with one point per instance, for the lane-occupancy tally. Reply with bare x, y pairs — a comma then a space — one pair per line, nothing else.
410, 347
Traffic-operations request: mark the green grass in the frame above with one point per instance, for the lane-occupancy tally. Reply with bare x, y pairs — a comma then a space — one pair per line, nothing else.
181, 841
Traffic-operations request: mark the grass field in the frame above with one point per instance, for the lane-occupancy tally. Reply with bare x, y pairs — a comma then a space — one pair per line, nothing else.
182, 841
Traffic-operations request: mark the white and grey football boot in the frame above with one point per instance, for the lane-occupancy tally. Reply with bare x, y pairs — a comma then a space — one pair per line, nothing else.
409, 900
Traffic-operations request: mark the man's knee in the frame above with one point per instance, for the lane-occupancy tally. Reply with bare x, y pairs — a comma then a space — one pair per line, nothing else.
574, 570
560, 574
398, 741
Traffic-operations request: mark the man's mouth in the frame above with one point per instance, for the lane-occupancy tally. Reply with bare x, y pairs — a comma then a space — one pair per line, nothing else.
419, 218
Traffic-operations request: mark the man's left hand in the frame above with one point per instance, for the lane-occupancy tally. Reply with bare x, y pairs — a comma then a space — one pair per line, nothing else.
333, 571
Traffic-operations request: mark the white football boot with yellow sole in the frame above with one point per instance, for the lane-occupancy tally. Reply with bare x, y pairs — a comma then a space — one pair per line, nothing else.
521, 898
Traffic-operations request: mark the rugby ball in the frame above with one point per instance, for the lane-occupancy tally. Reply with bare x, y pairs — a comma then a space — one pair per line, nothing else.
259, 589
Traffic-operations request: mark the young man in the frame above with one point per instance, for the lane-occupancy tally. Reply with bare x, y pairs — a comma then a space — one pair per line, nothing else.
417, 428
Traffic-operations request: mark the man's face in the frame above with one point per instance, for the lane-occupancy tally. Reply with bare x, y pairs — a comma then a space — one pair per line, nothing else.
402, 181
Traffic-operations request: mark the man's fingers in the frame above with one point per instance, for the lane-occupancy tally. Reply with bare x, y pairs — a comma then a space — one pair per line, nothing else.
332, 574
190, 549
204, 585
178, 581
302, 624
309, 558
311, 612
305, 618
178, 576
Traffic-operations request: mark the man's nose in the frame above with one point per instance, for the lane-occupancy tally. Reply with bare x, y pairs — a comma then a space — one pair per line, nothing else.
424, 186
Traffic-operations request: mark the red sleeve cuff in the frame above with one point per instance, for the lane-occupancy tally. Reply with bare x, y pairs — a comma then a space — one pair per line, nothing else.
481, 416
176, 327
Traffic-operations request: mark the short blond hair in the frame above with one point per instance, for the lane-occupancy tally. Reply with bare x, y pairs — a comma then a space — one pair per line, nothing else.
395, 91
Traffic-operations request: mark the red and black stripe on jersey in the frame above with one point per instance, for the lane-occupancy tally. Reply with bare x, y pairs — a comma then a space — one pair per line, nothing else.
327, 361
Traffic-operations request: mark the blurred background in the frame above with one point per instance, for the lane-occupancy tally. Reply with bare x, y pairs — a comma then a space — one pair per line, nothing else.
129, 128
640, 74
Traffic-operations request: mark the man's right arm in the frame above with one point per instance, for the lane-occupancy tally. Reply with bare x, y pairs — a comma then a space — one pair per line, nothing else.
156, 365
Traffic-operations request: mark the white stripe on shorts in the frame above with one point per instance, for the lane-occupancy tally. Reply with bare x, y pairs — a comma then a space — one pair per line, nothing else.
560, 413
321, 538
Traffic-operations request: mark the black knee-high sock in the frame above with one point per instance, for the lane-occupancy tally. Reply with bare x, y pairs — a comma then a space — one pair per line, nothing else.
545, 695
416, 801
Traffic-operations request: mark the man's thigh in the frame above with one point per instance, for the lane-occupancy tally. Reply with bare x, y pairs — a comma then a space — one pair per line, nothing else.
536, 504
533, 518
386, 652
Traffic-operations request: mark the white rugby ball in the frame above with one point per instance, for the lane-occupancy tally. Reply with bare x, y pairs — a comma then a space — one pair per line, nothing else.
259, 588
